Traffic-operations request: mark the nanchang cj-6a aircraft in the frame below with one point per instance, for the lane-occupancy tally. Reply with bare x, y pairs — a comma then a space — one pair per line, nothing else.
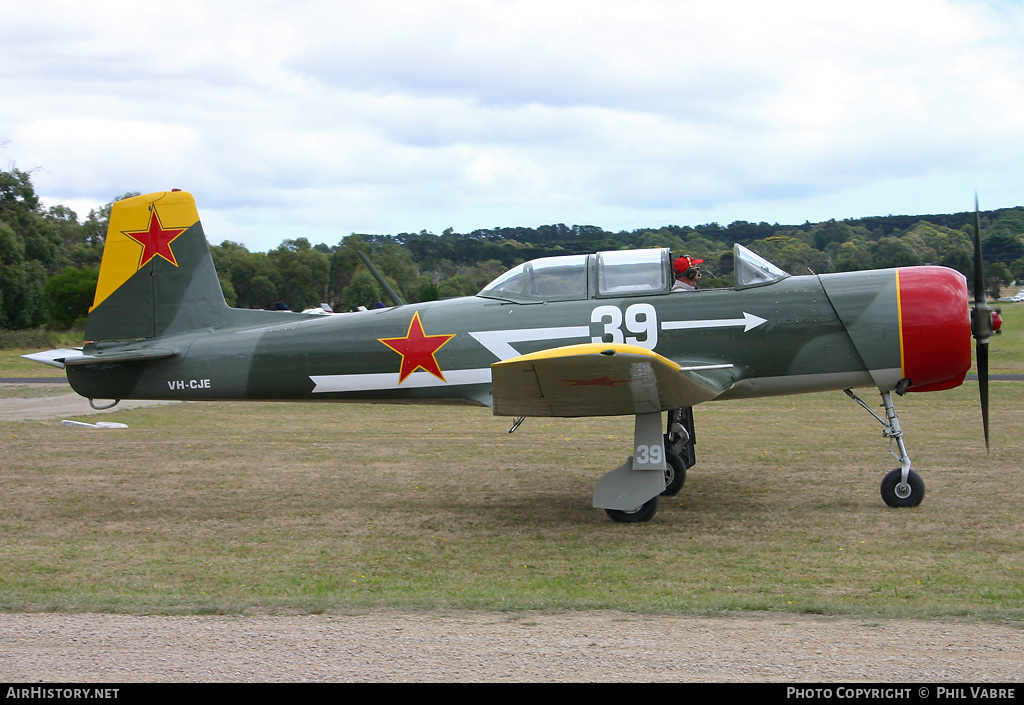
580, 335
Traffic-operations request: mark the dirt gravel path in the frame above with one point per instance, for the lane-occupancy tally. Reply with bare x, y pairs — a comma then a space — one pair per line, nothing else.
60, 406
497, 647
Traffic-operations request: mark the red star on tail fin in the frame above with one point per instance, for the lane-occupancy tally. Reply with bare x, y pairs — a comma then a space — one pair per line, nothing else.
156, 241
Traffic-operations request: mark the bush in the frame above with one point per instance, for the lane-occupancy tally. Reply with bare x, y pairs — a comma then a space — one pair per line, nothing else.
34, 338
68, 295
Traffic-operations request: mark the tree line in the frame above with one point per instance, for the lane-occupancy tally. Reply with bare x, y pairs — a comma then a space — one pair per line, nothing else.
49, 259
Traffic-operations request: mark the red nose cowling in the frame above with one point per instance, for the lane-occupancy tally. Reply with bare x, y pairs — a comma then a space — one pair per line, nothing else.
935, 327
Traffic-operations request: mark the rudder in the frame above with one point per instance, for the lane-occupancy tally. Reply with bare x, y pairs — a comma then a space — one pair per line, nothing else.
157, 276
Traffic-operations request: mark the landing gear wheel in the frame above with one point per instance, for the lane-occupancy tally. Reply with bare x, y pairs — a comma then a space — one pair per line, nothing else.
675, 474
897, 494
645, 512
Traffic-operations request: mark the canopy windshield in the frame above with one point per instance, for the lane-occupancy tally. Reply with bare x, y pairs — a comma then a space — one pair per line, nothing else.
754, 270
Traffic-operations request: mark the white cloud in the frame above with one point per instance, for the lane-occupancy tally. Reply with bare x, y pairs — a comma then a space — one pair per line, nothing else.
328, 118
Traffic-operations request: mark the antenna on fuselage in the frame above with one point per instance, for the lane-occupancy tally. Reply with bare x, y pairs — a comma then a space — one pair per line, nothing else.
395, 299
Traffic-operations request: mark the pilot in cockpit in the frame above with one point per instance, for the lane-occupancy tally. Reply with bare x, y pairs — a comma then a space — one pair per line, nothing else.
687, 273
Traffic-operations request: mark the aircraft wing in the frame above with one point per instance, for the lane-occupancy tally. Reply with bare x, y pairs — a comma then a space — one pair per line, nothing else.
601, 379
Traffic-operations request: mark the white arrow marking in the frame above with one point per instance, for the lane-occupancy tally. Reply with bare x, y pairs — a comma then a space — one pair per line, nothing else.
389, 380
499, 341
748, 322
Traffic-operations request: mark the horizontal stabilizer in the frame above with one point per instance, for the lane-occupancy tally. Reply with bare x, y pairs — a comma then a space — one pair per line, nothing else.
137, 355
601, 379
64, 357
54, 358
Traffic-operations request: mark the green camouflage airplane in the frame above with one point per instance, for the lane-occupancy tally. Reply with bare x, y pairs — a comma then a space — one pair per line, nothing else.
580, 335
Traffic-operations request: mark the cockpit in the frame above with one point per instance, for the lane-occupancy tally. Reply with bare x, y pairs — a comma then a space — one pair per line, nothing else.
613, 274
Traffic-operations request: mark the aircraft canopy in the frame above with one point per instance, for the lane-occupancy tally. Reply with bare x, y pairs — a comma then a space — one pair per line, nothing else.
616, 273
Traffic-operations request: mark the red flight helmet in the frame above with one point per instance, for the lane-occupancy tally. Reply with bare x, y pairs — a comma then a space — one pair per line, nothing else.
687, 266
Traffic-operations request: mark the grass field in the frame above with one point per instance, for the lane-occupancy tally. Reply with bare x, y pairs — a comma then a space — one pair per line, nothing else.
230, 508
12, 364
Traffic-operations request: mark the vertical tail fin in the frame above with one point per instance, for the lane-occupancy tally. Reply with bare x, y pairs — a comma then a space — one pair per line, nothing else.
157, 276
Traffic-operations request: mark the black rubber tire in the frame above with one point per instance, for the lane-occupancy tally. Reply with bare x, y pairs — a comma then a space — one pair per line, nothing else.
644, 512
675, 474
909, 495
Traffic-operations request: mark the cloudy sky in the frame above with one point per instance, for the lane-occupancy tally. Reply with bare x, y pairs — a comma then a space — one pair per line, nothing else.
318, 119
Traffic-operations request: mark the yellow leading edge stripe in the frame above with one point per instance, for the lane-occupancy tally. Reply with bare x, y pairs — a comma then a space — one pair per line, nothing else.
899, 323
590, 349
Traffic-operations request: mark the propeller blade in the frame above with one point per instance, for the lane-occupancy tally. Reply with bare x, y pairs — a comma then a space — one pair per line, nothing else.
979, 276
981, 321
981, 352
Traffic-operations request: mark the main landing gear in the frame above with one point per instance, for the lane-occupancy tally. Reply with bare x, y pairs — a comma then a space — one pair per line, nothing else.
902, 487
631, 493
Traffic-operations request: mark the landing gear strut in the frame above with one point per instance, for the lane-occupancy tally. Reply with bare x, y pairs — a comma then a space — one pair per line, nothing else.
902, 487
680, 456
630, 493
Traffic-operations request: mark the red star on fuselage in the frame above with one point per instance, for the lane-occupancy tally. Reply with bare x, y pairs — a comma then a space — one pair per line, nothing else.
417, 350
156, 241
